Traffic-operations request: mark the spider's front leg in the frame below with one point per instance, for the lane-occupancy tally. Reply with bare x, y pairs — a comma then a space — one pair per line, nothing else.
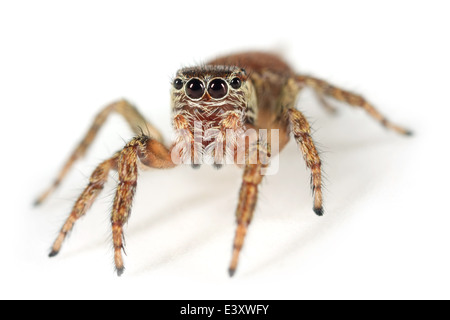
253, 174
143, 149
302, 134
244, 212
149, 152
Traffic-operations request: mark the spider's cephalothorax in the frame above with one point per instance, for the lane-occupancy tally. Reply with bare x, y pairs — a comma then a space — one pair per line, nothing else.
212, 106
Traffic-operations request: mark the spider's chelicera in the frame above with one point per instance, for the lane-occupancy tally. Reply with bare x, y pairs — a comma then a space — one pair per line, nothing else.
237, 109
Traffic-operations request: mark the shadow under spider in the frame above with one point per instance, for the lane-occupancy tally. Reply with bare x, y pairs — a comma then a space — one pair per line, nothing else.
367, 172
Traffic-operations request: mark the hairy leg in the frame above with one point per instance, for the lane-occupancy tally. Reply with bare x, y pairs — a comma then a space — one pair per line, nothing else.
86, 199
136, 121
302, 133
126, 187
143, 149
323, 88
327, 106
152, 154
244, 213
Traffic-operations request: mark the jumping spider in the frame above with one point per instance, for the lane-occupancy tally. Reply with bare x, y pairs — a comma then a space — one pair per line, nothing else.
229, 95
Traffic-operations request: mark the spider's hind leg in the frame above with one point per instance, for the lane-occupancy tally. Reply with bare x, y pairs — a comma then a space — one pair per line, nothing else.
86, 199
132, 116
324, 89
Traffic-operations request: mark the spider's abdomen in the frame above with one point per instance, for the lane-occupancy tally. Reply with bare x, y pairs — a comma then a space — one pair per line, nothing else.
255, 62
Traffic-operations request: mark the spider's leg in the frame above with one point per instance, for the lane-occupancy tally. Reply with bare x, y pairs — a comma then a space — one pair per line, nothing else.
135, 120
323, 88
244, 213
86, 199
150, 153
302, 133
327, 106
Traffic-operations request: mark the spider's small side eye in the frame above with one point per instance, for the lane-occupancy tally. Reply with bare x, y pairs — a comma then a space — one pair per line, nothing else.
235, 83
195, 88
178, 83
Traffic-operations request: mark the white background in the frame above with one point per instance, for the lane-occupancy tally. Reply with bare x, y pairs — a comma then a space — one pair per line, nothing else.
386, 229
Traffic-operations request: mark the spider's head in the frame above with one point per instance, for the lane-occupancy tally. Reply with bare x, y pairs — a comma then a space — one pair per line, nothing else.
211, 105
211, 93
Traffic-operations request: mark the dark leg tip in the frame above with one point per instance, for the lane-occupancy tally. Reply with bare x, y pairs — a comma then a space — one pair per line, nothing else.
120, 271
53, 254
195, 166
318, 211
231, 272
217, 166
409, 133
37, 203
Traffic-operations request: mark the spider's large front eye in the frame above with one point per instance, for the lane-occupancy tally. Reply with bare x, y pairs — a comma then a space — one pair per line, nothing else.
218, 88
195, 89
